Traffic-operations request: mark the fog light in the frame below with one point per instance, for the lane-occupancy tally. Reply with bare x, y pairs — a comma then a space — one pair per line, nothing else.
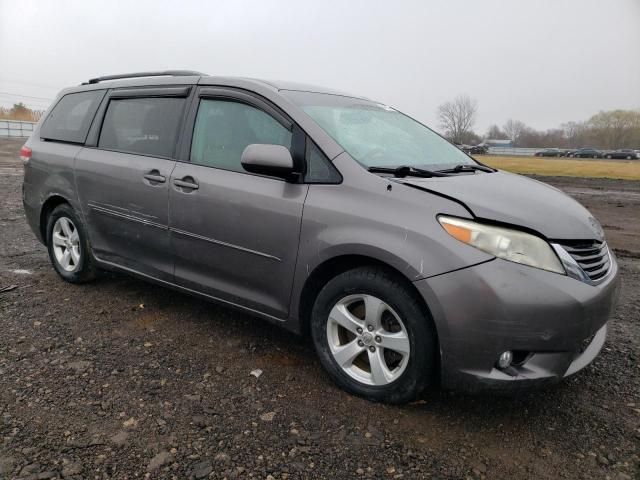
505, 359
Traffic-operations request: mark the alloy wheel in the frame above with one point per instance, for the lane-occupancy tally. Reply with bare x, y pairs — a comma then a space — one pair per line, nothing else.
368, 339
66, 244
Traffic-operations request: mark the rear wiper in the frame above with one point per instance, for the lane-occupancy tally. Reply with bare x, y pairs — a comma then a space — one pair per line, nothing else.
407, 171
468, 167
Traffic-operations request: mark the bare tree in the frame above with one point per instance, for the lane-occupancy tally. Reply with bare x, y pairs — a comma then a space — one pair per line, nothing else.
494, 133
457, 117
615, 128
574, 133
513, 129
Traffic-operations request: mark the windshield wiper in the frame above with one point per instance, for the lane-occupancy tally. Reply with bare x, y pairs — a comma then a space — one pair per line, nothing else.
407, 171
469, 167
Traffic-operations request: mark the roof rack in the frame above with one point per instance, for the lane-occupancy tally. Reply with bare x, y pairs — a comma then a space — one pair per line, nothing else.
165, 73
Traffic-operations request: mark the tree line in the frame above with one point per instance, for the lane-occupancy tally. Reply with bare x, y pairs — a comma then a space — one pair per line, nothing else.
607, 129
20, 111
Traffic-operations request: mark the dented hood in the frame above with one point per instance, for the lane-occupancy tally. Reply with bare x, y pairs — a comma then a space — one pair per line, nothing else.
516, 200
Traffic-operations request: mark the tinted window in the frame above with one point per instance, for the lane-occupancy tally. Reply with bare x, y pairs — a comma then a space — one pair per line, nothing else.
224, 128
70, 119
148, 126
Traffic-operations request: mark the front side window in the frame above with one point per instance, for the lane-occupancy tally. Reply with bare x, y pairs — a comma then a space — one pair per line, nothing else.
224, 128
146, 126
376, 135
70, 119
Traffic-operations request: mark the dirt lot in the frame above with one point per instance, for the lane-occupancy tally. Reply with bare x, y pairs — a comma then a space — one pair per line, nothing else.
122, 379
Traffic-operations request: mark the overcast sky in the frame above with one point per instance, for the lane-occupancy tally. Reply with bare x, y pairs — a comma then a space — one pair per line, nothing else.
540, 61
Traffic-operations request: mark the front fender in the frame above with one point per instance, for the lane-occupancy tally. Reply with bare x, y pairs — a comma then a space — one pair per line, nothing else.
393, 224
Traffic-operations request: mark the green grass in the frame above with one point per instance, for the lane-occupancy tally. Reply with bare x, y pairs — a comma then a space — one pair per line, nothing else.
566, 167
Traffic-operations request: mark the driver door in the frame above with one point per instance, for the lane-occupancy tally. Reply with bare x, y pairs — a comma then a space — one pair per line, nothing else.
235, 234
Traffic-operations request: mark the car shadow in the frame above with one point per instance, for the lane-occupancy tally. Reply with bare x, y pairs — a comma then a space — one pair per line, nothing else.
280, 348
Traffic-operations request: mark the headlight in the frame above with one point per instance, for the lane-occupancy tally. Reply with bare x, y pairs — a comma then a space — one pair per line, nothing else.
512, 245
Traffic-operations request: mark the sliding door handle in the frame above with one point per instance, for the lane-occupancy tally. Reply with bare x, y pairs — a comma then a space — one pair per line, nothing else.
155, 177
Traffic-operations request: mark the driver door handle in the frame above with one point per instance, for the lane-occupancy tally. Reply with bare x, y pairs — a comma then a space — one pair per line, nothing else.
187, 183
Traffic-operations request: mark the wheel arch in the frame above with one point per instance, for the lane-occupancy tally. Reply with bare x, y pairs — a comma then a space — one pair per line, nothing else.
48, 206
333, 267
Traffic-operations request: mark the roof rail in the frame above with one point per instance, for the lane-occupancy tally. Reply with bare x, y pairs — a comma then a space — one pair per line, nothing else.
165, 73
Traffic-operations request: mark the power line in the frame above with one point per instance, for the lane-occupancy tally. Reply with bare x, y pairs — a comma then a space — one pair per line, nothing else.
24, 82
6, 102
26, 96
8, 98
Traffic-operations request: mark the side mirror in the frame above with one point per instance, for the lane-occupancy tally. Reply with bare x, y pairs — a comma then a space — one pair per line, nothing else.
271, 160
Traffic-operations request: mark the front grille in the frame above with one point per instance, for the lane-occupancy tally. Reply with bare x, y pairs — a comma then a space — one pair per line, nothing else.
592, 257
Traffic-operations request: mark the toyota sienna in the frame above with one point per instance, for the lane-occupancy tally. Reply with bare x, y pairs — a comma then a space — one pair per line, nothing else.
407, 261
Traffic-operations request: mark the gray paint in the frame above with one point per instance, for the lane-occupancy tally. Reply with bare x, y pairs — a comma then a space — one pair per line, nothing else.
126, 213
275, 156
253, 241
509, 198
514, 307
243, 236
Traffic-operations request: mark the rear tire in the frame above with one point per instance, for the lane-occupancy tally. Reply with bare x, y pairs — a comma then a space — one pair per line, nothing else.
373, 336
68, 246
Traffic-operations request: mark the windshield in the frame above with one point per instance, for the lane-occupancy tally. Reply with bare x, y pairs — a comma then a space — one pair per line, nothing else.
377, 135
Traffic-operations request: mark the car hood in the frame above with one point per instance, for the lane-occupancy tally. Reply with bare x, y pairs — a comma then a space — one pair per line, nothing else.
517, 200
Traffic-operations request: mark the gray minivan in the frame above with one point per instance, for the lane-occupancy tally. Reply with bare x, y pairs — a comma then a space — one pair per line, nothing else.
406, 261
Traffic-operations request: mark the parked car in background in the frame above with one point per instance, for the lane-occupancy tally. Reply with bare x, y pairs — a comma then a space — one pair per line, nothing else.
586, 153
474, 149
234, 189
626, 153
550, 152
479, 150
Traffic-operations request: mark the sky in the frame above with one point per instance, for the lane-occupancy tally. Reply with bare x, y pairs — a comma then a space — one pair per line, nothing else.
543, 62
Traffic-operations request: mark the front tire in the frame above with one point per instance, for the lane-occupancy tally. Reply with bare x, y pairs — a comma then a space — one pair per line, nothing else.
68, 246
373, 336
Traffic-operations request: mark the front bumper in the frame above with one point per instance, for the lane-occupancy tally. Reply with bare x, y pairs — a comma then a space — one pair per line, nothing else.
556, 324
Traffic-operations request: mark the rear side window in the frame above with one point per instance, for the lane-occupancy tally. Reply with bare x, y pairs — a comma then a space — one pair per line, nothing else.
147, 126
224, 128
70, 119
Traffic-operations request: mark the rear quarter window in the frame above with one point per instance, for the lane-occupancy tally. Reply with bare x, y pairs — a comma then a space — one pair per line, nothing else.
70, 119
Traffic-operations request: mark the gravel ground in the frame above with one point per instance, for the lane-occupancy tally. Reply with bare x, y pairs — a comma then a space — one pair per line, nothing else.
122, 379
